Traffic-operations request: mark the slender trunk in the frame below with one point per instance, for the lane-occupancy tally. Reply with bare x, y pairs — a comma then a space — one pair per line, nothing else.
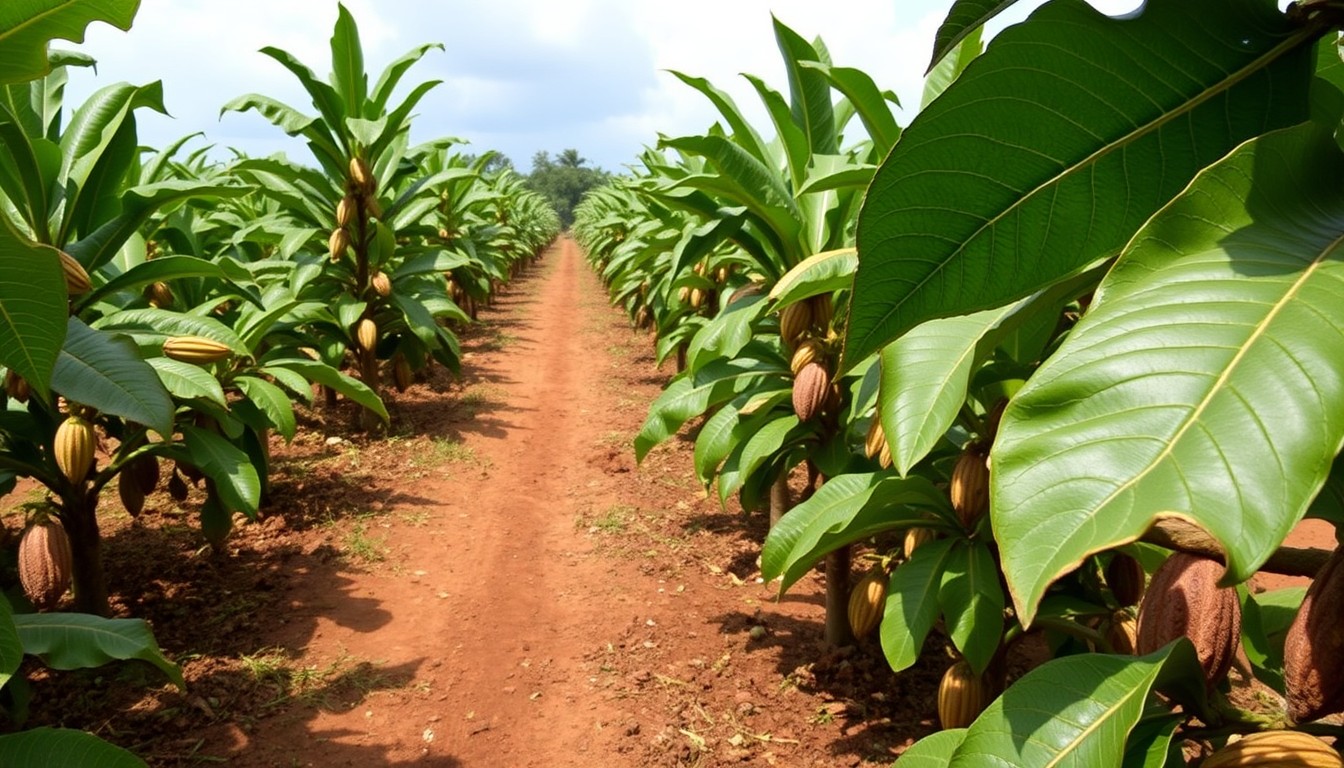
681, 356
369, 374
79, 516
838, 632
779, 498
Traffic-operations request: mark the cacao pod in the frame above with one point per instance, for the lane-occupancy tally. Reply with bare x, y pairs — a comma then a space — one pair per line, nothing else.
1184, 599
684, 294
189, 471
177, 487
1123, 633
697, 298
371, 206
823, 310
73, 448
361, 177
381, 283
643, 318
794, 321
969, 488
76, 277
196, 349
132, 498
145, 471
810, 351
810, 389
962, 696
722, 274
1275, 749
876, 440
867, 601
401, 372
160, 295
338, 243
1125, 577
45, 562
366, 333
884, 455
345, 211
1313, 649
915, 538
16, 387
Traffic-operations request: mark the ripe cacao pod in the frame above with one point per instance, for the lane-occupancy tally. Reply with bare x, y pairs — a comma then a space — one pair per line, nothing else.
810, 389
876, 439
810, 351
962, 696
366, 333
132, 498
697, 298
722, 274
823, 310
794, 321
401, 372
1125, 577
45, 562
684, 294
969, 488
1184, 599
196, 349
16, 387
338, 243
1123, 632
345, 211
160, 295
361, 177
76, 277
1313, 649
884, 455
73, 448
381, 283
1275, 749
867, 601
915, 538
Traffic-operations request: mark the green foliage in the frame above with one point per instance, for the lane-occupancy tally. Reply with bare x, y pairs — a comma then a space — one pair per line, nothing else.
564, 181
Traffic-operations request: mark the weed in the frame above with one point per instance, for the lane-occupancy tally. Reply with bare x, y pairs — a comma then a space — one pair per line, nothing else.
363, 547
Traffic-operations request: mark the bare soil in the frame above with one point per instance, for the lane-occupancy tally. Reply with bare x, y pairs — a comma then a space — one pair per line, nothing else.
494, 583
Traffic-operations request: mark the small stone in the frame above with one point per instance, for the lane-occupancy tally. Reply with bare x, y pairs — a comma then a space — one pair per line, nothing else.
757, 632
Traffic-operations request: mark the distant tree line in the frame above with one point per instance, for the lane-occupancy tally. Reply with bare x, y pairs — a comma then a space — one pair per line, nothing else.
563, 180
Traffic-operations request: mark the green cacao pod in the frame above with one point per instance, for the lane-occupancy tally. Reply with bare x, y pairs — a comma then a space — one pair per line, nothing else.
73, 448
1313, 649
197, 350
45, 562
1184, 600
1275, 749
867, 601
962, 696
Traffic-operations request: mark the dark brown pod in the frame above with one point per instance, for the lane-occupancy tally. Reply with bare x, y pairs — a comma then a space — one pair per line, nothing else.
1184, 600
1313, 649
810, 389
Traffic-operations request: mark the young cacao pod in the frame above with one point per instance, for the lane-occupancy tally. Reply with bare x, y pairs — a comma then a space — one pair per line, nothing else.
361, 177
810, 389
16, 387
401, 372
366, 333
794, 321
345, 211
867, 601
76, 277
45, 562
1123, 632
1125, 577
697, 297
160, 295
337, 243
144, 470
73, 448
132, 498
1275, 749
1313, 649
810, 351
177, 487
684, 294
962, 696
969, 488
197, 350
1184, 599
915, 538
381, 283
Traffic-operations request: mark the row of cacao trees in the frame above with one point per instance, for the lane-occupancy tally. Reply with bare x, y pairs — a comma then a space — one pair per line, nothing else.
162, 312
1078, 328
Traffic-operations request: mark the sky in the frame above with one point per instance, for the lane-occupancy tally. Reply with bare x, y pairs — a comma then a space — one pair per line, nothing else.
519, 76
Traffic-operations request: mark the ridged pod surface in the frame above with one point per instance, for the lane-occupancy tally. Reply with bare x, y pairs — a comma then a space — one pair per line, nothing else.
366, 333
867, 601
1184, 600
381, 283
810, 388
969, 488
401, 372
1275, 749
810, 351
823, 310
337, 243
73, 448
160, 295
962, 696
876, 439
361, 177
1125, 577
345, 211
76, 277
45, 562
794, 321
915, 538
197, 350
1123, 632
1313, 649
697, 297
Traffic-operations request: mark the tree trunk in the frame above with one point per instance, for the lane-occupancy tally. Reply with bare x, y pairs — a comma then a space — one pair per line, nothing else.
838, 632
79, 516
369, 374
779, 498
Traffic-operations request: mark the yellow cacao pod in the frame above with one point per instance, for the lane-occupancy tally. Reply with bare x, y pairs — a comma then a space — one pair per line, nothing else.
382, 284
1275, 749
345, 211
794, 321
722, 274
684, 294
917, 537
73, 448
810, 351
366, 333
196, 349
823, 310
811, 387
1184, 599
962, 696
76, 277
17, 387
697, 297
45, 562
969, 488
160, 295
1125, 577
884, 455
401, 372
444, 234
867, 601
337, 243
1123, 633
1313, 649
876, 439
361, 177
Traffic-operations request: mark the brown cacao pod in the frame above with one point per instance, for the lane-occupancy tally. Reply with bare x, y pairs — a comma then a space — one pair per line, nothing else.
177, 487
823, 310
1313, 649
381, 283
1275, 749
1122, 632
794, 321
867, 601
401, 372
1184, 599
1125, 577
45, 562
76, 277
366, 333
73, 448
962, 696
969, 488
876, 439
144, 470
196, 349
810, 351
361, 177
132, 498
810, 388
345, 211
338, 243
16, 387
160, 295
915, 538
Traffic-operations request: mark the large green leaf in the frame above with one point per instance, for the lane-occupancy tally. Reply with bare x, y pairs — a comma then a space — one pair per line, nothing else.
104, 370
165, 268
1054, 146
11, 648
272, 401
321, 373
933, 751
27, 25
1205, 382
32, 307
347, 64
82, 641
236, 480
972, 602
912, 604
690, 395
186, 381
46, 747
965, 18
